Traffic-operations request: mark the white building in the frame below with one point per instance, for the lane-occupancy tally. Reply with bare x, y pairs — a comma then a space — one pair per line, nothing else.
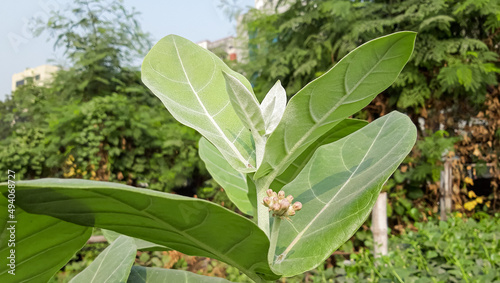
225, 45
38, 75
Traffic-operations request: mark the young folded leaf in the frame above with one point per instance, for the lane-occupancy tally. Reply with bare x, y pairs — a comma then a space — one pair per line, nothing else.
338, 188
188, 80
245, 104
273, 107
247, 108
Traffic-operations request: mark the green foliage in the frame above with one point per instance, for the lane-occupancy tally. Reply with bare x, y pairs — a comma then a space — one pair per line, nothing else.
458, 250
451, 57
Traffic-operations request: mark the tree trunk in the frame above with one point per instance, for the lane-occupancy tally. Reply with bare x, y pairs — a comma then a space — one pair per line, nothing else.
379, 225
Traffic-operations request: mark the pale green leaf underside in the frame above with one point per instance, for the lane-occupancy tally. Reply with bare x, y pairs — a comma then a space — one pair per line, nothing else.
338, 188
111, 236
188, 80
342, 91
141, 274
273, 106
233, 182
43, 244
189, 225
245, 104
341, 130
112, 265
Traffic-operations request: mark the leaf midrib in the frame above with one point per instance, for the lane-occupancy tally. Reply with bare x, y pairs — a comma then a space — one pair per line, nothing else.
210, 118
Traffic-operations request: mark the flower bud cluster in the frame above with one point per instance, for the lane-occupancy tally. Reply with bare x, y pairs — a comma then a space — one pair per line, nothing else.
280, 205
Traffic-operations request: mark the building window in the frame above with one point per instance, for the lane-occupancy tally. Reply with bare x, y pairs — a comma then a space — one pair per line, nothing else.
19, 83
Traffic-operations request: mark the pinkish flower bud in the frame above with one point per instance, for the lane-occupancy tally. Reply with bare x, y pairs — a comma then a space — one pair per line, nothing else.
269, 193
285, 205
297, 206
267, 201
276, 207
290, 211
275, 200
281, 195
289, 198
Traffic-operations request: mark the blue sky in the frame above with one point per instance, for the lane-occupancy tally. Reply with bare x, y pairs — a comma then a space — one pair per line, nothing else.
195, 20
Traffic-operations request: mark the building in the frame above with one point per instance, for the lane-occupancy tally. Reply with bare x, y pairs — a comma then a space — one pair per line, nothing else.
224, 47
38, 75
236, 48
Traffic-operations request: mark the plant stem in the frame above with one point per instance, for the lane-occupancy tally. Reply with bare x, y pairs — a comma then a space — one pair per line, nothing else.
274, 239
262, 211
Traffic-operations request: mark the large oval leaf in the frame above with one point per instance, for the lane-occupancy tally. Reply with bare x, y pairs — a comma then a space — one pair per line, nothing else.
338, 188
43, 244
342, 91
141, 274
188, 80
233, 182
189, 225
112, 265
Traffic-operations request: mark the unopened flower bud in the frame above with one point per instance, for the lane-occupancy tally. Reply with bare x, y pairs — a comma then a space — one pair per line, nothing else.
297, 206
281, 195
269, 193
289, 198
285, 205
267, 201
291, 211
276, 207
275, 199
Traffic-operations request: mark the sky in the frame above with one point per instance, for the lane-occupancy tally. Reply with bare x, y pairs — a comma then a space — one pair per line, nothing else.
196, 20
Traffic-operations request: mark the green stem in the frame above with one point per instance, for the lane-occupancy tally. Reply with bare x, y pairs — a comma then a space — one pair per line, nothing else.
262, 211
274, 239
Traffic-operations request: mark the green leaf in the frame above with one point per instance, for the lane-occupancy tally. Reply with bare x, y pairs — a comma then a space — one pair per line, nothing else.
337, 189
247, 108
188, 80
112, 265
342, 129
273, 106
111, 236
233, 182
245, 104
189, 225
342, 91
141, 274
43, 244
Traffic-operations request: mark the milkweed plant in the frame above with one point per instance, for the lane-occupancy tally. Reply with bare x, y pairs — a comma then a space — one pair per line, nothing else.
303, 173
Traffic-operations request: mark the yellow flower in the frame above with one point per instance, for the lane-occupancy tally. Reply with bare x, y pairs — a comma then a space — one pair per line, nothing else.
470, 205
472, 194
469, 181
